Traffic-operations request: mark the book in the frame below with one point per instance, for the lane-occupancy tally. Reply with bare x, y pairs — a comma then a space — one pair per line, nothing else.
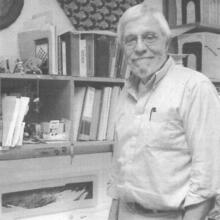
22, 111
63, 58
102, 55
20, 140
86, 116
59, 55
119, 60
77, 109
67, 56
1, 119
96, 114
10, 110
106, 98
90, 55
112, 59
82, 57
112, 112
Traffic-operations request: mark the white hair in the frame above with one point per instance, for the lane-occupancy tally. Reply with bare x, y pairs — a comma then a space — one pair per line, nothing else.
140, 11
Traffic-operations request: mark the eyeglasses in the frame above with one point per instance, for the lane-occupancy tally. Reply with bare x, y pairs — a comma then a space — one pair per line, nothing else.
148, 39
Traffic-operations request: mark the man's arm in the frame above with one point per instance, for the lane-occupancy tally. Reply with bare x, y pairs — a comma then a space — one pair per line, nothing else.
201, 120
198, 211
113, 213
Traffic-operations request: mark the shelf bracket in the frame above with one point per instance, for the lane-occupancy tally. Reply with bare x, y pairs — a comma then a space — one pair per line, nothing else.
72, 146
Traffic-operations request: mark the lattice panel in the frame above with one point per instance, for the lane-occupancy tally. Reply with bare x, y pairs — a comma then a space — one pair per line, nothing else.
95, 14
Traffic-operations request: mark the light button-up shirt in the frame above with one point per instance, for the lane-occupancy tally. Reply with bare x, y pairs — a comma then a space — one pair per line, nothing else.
167, 154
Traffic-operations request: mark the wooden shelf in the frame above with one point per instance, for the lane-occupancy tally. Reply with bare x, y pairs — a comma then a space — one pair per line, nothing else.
33, 77
98, 79
56, 149
196, 27
91, 147
58, 77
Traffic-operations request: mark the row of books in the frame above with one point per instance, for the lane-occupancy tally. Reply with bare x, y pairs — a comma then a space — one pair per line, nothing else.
85, 54
88, 54
14, 110
94, 111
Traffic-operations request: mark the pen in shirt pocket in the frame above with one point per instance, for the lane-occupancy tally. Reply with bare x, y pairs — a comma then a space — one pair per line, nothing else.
153, 109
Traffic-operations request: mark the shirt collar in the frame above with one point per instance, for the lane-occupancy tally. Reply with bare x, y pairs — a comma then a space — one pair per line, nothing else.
132, 82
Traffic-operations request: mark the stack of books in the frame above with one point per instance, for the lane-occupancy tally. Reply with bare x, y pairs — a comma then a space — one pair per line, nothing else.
94, 111
89, 54
13, 111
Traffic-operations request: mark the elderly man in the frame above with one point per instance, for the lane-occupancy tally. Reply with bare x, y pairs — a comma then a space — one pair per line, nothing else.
167, 157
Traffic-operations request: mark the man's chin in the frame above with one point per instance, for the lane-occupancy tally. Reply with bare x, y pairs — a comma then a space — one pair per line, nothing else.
144, 76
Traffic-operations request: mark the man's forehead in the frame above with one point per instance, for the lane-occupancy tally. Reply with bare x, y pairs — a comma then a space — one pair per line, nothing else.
146, 23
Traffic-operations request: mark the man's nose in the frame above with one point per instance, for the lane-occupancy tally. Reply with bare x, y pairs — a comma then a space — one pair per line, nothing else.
140, 46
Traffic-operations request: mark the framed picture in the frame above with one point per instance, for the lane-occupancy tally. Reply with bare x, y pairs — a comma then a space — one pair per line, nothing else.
49, 196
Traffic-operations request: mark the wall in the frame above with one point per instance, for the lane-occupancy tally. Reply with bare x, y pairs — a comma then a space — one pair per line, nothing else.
8, 36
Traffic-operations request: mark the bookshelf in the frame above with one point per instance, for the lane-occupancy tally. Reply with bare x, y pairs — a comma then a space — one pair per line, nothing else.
56, 93
50, 157
31, 151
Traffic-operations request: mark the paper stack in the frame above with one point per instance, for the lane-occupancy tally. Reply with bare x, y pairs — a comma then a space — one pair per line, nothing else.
13, 111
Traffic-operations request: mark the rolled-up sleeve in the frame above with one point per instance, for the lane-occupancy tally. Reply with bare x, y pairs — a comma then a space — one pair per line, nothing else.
201, 120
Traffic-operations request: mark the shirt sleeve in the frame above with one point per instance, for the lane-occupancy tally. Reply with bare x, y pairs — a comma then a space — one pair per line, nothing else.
201, 121
113, 177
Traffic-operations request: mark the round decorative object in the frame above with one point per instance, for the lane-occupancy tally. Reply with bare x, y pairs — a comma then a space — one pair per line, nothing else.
9, 11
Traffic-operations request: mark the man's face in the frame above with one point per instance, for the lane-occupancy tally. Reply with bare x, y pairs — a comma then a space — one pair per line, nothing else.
145, 47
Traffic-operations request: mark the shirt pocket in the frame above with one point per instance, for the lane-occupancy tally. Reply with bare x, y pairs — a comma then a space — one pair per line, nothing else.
158, 131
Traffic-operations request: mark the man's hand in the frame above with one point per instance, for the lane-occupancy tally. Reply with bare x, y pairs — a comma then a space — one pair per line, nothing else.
113, 213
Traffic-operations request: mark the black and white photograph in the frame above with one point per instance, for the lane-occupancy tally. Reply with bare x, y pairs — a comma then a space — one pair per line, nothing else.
110, 109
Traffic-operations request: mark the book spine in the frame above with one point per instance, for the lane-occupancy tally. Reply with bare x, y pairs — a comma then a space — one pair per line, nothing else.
53, 69
96, 114
75, 58
85, 123
104, 113
10, 108
59, 54
82, 55
112, 61
78, 99
64, 58
112, 113
90, 55
102, 56
119, 60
